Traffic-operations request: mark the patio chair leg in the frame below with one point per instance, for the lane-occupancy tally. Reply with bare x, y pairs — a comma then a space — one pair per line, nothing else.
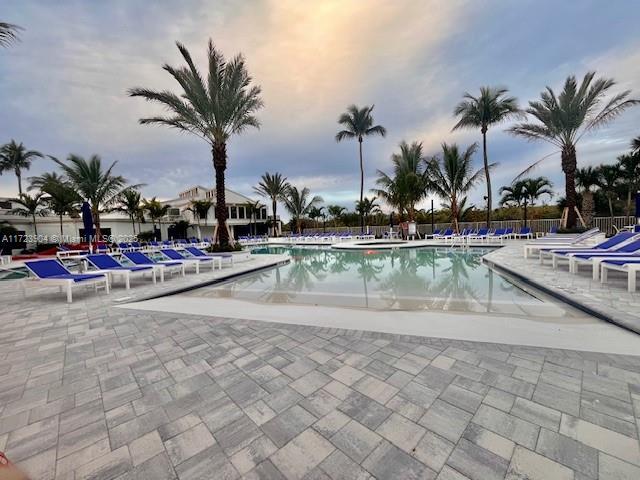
162, 275
127, 281
153, 275
183, 270
603, 274
197, 268
69, 295
632, 280
106, 283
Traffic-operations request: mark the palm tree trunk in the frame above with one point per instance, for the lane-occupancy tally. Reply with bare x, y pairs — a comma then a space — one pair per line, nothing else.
487, 175
628, 209
361, 183
569, 163
19, 183
35, 227
587, 207
274, 205
133, 225
61, 231
219, 153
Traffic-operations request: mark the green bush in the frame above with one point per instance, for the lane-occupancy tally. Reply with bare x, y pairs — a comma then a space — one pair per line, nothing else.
145, 236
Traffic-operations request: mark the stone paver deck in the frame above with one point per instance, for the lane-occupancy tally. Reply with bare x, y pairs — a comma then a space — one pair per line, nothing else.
88, 391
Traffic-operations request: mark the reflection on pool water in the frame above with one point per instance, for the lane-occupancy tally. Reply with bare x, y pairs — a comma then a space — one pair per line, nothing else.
428, 278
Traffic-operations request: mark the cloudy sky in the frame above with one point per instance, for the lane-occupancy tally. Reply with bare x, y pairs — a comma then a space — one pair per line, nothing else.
63, 87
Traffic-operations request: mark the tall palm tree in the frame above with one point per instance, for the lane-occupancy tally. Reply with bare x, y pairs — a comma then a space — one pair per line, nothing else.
587, 178
629, 165
273, 186
367, 207
358, 123
564, 119
534, 188
213, 109
129, 202
8, 33
98, 186
491, 107
609, 181
155, 210
15, 157
61, 197
336, 211
452, 177
298, 204
409, 176
30, 206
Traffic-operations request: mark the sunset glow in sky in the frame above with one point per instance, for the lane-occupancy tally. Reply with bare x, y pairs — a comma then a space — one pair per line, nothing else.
63, 87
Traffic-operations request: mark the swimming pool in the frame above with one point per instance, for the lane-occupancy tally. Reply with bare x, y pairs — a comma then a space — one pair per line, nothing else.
428, 278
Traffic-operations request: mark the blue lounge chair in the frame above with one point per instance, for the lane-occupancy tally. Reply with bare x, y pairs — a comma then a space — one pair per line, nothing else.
106, 263
481, 234
139, 258
525, 232
630, 267
196, 252
629, 251
549, 243
172, 254
52, 272
559, 253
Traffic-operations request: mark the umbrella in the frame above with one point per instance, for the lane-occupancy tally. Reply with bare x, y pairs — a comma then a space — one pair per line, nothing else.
87, 220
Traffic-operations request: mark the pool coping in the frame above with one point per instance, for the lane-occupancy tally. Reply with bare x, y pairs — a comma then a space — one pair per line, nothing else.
607, 315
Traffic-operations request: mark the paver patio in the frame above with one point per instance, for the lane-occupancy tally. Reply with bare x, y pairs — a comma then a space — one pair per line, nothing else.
92, 391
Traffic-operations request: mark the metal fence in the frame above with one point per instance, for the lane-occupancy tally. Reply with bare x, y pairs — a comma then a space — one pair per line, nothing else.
605, 224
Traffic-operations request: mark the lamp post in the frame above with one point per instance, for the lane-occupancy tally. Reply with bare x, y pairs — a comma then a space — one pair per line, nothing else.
432, 218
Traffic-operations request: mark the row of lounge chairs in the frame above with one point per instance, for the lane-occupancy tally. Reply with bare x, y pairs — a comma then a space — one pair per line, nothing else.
328, 237
481, 234
101, 269
619, 253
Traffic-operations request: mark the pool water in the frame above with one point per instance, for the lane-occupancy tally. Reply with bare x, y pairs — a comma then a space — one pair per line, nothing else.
429, 278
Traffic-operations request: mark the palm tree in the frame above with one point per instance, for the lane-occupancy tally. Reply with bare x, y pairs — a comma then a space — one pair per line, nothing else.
587, 178
629, 165
252, 208
564, 119
155, 210
30, 207
298, 204
452, 177
213, 109
635, 146
367, 207
409, 177
609, 181
129, 202
200, 210
315, 213
61, 197
358, 123
513, 194
534, 188
275, 188
336, 211
100, 187
16, 157
8, 33
490, 108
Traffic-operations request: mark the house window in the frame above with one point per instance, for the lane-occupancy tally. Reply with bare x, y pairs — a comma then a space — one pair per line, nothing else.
234, 212
241, 212
263, 213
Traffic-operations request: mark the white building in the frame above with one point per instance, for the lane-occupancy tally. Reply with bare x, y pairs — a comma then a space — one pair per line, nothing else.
239, 219
118, 225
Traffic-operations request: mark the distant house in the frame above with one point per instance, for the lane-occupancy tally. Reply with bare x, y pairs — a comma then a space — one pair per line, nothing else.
118, 225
